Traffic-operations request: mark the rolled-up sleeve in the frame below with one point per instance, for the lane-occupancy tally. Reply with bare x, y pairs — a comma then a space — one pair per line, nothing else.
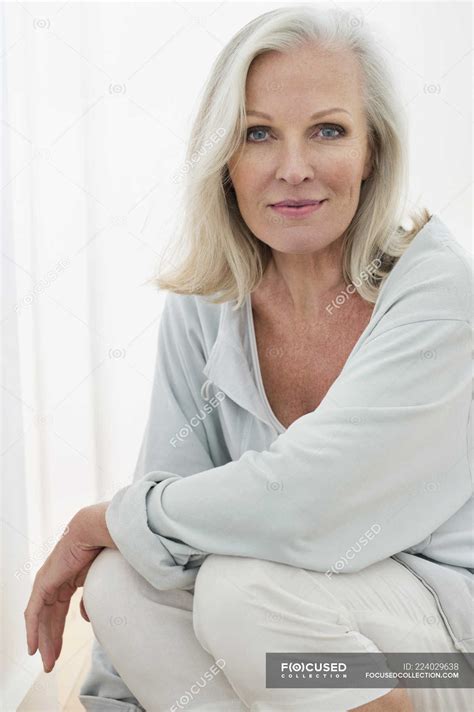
375, 469
170, 447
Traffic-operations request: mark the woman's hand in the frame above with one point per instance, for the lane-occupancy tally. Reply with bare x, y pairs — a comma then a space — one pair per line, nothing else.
56, 581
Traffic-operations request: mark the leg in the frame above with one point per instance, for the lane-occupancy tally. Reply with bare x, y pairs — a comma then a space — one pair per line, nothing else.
393, 608
149, 638
246, 607
103, 689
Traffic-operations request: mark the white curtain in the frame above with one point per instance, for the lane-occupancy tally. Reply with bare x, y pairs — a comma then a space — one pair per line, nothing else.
91, 137
96, 100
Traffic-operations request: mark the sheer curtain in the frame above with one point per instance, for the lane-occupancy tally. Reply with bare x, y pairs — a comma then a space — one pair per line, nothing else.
89, 150
96, 100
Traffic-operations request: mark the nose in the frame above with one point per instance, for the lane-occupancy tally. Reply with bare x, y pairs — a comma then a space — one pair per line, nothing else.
294, 164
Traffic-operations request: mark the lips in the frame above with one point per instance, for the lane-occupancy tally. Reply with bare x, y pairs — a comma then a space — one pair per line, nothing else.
295, 203
298, 211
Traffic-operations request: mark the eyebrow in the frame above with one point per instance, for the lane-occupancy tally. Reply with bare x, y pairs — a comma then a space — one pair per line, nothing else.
311, 118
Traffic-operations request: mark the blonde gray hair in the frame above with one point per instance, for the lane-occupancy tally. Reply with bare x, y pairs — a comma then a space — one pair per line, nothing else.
215, 252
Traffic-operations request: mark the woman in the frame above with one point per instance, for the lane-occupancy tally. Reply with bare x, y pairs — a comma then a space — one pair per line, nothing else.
308, 425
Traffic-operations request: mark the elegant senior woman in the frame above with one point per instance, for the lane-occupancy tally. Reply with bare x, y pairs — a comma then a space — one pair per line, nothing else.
303, 483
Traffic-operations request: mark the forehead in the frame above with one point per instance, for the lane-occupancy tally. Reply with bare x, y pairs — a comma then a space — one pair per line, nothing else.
304, 80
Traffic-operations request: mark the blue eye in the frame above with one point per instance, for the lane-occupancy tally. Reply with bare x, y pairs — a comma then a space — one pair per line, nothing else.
255, 128
333, 128
264, 129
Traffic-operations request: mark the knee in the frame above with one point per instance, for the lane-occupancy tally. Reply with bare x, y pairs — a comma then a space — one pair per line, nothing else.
224, 587
106, 580
115, 594
233, 592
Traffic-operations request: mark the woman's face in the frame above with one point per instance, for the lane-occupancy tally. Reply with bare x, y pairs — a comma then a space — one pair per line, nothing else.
289, 154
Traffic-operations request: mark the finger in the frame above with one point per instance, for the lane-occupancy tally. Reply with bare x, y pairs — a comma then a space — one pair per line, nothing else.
39, 597
45, 644
58, 628
83, 610
31, 624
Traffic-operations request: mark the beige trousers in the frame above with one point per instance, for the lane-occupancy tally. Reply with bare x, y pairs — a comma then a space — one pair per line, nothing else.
204, 650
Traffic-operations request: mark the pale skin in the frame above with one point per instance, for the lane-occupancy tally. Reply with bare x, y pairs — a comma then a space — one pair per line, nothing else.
302, 345
56, 581
289, 306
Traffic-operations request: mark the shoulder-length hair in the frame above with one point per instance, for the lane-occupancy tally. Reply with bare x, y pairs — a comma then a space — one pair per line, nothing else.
215, 253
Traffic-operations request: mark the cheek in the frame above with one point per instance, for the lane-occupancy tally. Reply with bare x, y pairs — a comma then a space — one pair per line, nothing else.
343, 171
250, 179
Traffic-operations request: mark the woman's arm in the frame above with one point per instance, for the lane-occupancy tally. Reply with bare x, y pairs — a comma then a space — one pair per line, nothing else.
378, 466
62, 573
94, 527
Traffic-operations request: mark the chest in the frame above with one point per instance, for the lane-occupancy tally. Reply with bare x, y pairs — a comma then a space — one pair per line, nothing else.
299, 363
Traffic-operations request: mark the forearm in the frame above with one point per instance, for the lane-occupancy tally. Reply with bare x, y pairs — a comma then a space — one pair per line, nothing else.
94, 526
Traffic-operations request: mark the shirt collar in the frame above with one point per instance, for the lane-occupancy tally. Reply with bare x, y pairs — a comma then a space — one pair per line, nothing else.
230, 367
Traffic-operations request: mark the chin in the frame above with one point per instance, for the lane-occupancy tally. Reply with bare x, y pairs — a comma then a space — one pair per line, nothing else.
296, 246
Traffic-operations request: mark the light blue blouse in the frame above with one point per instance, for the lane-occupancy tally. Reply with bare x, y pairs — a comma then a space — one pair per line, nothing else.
382, 467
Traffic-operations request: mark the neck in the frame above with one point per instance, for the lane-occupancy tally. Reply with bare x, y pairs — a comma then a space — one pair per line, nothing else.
305, 283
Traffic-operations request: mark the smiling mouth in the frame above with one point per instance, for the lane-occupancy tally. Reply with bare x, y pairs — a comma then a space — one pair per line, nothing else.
297, 211
296, 206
